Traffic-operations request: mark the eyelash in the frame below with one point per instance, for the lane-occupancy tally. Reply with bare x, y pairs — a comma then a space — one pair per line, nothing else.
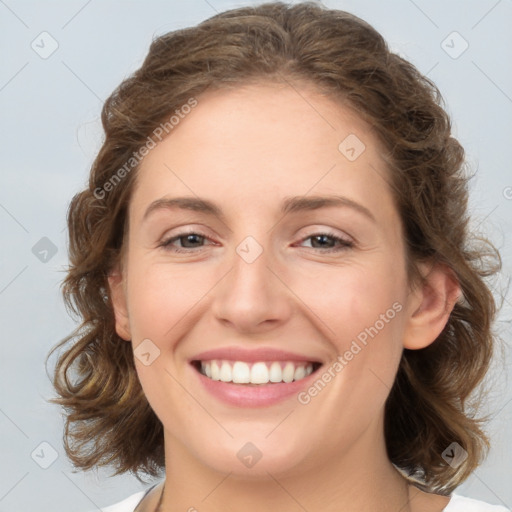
344, 244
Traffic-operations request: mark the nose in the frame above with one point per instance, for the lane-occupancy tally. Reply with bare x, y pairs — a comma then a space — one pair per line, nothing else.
253, 296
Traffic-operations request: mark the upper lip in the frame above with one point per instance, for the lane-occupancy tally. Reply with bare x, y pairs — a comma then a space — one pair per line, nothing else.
252, 355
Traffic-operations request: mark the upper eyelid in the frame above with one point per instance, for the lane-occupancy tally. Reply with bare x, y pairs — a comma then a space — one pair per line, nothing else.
185, 229
200, 231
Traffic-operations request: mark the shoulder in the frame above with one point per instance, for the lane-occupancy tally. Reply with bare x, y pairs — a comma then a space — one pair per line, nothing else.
127, 505
463, 504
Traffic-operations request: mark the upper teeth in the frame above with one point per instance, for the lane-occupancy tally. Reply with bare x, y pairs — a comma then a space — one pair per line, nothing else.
240, 372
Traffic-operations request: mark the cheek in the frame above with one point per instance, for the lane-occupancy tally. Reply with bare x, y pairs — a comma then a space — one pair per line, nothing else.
359, 309
160, 297
347, 301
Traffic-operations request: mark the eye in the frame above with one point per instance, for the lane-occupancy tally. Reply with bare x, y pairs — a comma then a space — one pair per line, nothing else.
191, 241
188, 241
326, 242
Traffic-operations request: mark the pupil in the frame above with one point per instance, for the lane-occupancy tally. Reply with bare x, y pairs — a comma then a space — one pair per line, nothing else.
323, 238
190, 238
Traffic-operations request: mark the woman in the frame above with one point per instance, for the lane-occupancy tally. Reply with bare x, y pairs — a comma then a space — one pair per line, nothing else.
282, 307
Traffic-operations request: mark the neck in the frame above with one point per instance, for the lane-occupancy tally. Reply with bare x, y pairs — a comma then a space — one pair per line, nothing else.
358, 480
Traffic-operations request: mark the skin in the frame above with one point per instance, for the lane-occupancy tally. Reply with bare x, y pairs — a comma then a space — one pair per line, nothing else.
246, 149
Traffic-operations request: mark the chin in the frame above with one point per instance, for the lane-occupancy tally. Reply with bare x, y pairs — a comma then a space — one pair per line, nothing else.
246, 460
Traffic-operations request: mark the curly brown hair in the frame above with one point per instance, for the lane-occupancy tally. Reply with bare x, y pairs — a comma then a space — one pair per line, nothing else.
432, 402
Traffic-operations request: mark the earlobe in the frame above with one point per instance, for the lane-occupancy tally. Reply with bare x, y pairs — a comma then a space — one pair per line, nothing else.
119, 304
430, 306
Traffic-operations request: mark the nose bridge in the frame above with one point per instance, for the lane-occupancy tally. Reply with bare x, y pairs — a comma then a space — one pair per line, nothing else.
250, 294
250, 278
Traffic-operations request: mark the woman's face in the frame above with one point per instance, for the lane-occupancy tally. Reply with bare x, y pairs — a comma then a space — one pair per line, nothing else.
296, 263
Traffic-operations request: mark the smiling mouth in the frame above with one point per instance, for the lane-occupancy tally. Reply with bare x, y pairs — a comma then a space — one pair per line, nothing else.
257, 373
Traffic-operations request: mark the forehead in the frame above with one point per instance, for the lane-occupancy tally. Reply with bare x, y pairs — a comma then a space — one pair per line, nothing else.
266, 141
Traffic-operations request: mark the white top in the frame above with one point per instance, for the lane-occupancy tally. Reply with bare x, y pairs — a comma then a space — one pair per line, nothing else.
456, 504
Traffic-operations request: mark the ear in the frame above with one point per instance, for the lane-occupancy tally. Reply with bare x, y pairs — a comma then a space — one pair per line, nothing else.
430, 305
119, 303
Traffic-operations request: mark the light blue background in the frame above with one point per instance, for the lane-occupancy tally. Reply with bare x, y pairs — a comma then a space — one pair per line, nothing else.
50, 133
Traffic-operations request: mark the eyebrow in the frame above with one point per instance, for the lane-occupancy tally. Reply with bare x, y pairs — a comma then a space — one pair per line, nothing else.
290, 205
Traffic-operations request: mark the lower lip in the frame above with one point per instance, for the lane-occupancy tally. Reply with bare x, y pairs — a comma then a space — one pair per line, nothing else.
260, 395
